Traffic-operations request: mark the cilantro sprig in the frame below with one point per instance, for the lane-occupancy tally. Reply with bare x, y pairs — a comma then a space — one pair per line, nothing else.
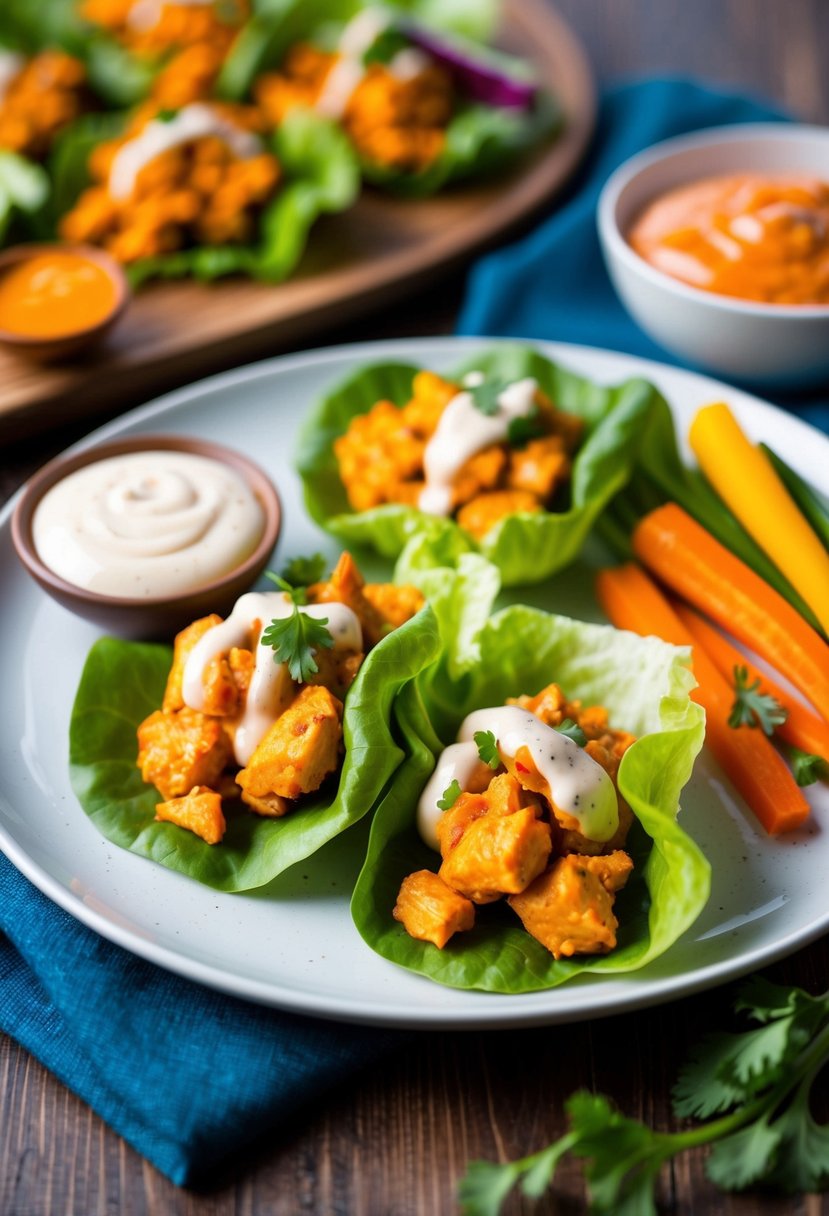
572, 730
758, 1081
485, 395
807, 768
302, 571
752, 707
451, 795
521, 430
295, 638
487, 746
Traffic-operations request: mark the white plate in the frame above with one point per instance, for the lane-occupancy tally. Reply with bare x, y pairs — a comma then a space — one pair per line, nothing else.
293, 945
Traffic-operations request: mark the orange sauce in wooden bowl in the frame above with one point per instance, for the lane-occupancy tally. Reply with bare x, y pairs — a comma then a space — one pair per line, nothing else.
757, 238
54, 294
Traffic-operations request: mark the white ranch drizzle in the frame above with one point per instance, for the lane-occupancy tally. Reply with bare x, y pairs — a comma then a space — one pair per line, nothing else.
271, 687
344, 77
578, 785
191, 122
464, 430
147, 524
146, 14
11, 65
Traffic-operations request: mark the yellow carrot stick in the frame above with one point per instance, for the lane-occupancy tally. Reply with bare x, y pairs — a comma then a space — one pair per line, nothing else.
746, 480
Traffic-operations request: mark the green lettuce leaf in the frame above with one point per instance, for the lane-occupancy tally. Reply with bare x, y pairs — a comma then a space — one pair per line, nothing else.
123, 682
320, 175
645, 685
526, 548
24, 189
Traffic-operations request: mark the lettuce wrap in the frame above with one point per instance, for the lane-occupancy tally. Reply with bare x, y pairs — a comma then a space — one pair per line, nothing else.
122, 682
645, 684
24, 189
320, 175
480, 137
526, 548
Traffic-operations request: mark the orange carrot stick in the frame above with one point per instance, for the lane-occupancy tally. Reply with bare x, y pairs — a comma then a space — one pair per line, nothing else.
802, 728
633, 601
702, 571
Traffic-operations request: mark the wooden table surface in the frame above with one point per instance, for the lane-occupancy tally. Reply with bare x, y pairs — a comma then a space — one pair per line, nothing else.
396, 1141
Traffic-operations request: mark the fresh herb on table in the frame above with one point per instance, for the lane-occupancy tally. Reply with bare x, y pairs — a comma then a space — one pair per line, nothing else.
759, 1082
294, 638
451, 795
487, 746
754, 708
572, 730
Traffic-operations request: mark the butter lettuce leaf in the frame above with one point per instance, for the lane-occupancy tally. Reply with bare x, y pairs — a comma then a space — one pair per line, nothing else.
526, 548
122, 682
320, 175
24, 189
645, 685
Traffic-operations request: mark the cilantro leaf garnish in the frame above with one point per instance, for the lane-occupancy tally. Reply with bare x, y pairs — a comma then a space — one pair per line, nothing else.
487, 746
572, 730
294, 639
761, 1077
298, 595
807, 769
521, 430
485, 395
752, 707
451, 795
302, 571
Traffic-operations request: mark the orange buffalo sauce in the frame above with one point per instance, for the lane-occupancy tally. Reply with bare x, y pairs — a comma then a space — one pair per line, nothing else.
54, 294
758, 238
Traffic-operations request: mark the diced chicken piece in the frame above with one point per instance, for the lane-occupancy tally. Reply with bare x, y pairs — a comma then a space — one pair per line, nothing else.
484, 512
336, 669
431, 911
569, 908
241, 663
480, 472
179, 750
573, 841
549, 704
430, 396
345, 586
184, 643
272, 806
486, 795
299, 751
378, 452
221, 695
539, 467
200, 811
396, 605
454, 822
498, 855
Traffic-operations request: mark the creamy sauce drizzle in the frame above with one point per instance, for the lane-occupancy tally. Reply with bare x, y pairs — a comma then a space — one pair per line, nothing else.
578, 785
147, 524
192, 122
271, 687
358, 36
146, 14
11, 65
462, 431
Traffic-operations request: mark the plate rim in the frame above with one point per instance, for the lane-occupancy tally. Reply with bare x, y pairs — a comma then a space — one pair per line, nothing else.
354, 1010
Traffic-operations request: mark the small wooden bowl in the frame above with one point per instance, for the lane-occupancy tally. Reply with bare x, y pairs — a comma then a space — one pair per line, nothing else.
153, 616
51, 350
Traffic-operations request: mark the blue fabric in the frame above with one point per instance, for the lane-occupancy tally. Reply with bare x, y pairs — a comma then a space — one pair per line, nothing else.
190, 1077
553, 284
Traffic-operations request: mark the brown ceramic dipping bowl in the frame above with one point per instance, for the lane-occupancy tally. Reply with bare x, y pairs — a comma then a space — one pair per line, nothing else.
152, 616
52, 350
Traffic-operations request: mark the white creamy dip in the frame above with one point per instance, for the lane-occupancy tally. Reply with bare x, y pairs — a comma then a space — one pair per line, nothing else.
195, 121
11, 65
271, 688
464, 430
154, 523
577, 785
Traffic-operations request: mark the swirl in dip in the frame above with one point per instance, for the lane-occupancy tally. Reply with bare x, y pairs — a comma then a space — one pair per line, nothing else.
754, 237
147, 524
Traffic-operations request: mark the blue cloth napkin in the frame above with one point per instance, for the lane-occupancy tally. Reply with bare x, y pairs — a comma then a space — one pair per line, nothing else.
553, 284
190, 1077
187, 1075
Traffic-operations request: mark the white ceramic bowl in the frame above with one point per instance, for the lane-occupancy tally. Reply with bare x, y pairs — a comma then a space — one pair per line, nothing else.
773, 345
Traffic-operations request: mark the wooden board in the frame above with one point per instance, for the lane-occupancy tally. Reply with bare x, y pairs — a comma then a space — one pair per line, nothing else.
384, 247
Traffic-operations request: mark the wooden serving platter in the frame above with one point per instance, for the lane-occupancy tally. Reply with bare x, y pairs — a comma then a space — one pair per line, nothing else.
384, 247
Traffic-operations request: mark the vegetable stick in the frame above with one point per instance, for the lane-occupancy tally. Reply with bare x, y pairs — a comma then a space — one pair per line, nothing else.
746, 480
699, 569
802, 728
632, 601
